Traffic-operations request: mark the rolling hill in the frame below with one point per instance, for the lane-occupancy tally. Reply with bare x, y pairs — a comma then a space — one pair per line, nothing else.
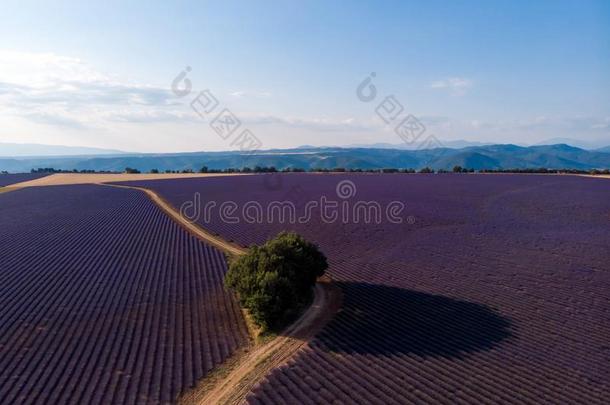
39, 150
560, 156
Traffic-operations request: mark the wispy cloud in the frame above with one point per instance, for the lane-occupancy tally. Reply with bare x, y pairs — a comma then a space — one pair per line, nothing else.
153, 116
591, 122
455, 85
252, 94
322, 124
50, 89
55, 119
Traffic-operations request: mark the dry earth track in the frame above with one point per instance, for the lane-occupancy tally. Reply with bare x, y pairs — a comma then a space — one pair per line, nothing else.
197, 231
247, 371
250, 370
65, 179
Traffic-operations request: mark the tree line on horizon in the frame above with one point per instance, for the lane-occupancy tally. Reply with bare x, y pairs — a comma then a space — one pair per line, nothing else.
272, 169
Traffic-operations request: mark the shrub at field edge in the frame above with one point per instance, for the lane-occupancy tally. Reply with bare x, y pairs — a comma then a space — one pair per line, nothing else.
274, 282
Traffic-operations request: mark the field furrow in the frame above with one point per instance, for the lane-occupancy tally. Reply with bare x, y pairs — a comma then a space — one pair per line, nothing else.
496, 290
104, 299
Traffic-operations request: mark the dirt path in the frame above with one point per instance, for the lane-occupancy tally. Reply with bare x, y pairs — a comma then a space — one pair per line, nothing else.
6, 189
254, 366
242, 373
64, 179
202, 234
232, 381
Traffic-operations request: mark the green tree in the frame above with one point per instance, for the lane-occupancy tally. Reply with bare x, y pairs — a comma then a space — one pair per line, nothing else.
275, 281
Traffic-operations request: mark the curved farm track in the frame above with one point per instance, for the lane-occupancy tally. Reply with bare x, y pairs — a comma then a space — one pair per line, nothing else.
254, 366
496, 293
241, 374
235, 374
104, 299
197, 231
476, 337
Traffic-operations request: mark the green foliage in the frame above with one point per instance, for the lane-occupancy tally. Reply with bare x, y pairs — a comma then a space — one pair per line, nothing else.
275, 281
596, 171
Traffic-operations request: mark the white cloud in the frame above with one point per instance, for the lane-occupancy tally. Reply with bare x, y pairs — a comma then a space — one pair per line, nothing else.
455, 85
184, 115
49, 98
44, 70
55, 119
56, 90
590, 122
322, 124
253, 94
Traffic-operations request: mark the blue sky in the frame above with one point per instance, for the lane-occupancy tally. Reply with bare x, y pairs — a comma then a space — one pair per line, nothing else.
99, 74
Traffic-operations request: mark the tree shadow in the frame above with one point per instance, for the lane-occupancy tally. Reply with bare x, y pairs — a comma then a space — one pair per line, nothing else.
378, 319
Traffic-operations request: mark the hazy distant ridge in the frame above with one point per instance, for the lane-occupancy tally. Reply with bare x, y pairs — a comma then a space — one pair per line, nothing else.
559, 156
33, 149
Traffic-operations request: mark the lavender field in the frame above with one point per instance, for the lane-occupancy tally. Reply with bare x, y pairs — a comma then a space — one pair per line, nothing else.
104, 299
9, 179
492, 289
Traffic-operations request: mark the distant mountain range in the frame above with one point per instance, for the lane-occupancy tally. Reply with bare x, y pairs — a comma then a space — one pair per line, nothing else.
589, 145
404, 146
37, 150
604, 149
461, 143
560, 156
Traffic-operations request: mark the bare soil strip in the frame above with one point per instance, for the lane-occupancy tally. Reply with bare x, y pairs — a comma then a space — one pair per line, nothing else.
6, 189
231, 382
202, 234
251, 369
63, 179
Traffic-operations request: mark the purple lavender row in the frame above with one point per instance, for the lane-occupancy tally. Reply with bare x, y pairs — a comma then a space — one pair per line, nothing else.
104, 299
496, 292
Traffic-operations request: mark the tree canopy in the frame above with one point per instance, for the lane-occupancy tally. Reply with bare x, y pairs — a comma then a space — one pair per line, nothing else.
275, 281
